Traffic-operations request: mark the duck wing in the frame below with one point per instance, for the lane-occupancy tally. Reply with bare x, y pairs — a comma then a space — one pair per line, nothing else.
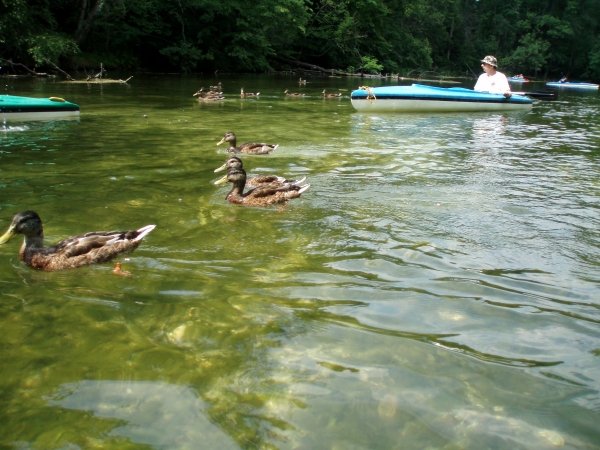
86, 243
270, 189
260, 180
256, 148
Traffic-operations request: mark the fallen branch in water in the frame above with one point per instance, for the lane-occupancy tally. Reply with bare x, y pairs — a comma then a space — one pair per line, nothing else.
303, 64
32, 72
91, 80
59, 69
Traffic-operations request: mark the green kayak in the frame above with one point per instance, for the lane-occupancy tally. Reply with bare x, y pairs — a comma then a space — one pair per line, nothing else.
13, 107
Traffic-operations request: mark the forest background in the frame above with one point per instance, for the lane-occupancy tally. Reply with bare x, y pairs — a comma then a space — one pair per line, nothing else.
539, 38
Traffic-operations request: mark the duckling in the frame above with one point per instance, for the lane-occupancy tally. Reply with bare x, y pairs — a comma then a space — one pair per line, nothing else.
301, 81
249, 147
292, 94
326, 95
269, 194
118, 271
248, 94
258, 180
75, 251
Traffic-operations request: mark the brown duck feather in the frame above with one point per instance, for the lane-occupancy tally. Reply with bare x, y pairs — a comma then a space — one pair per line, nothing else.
75, 251
265, 195
258, 180
248, 147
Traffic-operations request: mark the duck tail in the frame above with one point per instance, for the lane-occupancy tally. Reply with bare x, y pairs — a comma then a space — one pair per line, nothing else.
296, 182
142, 232
303, 188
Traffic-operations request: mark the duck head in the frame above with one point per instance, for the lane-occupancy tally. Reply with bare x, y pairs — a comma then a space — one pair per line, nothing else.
27, 223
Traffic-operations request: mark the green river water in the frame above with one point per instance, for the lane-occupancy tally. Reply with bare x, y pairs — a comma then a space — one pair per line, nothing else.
437, 287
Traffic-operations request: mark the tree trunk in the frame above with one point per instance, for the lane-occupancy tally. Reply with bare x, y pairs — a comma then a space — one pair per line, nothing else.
450, 43
303, 64
85, 23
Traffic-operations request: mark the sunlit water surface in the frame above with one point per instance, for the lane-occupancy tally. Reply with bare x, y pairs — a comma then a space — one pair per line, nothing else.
436, 287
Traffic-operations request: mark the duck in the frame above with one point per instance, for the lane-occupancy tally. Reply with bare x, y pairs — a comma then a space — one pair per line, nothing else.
326, 95
292, 94
301, 81
249, 147
208, 96
217, 88
248, 94
74, 251
258, 180
265, 195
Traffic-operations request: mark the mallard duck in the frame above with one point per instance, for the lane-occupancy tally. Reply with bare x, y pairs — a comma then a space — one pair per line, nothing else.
208, 96
326, 95
248, 94
258, 180
217, 88
292, 94
214, 98
249, 147
301, 81
75, 251
265, 195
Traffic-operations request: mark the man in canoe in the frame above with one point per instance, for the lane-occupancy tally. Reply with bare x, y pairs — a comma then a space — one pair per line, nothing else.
492, 81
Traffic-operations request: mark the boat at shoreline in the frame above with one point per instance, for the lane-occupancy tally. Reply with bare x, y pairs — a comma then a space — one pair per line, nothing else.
13, 107
420, 98
572, 85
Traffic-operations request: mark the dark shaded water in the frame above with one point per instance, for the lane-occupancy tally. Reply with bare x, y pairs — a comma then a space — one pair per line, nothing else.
436, 287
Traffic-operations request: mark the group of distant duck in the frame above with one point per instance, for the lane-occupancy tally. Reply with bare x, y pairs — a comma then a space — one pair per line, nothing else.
215, 93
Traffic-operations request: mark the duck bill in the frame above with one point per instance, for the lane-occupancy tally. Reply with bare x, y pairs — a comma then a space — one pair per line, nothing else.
223, 167
221, 141
221, 180
8, 235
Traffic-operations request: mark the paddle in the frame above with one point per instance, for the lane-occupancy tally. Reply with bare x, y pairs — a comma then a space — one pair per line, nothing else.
543, 94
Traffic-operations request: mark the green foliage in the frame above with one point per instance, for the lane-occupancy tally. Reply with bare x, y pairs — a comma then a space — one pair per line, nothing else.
51, 47
370, 35
593, 69
531, 54
371, 65
184, 54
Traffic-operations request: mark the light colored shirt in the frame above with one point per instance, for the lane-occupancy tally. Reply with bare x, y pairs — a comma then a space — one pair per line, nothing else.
495, 84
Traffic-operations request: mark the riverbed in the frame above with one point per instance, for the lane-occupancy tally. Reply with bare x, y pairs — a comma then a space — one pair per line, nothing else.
436, 286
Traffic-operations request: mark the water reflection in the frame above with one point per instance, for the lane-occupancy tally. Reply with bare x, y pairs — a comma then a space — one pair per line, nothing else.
489, 130
157, 414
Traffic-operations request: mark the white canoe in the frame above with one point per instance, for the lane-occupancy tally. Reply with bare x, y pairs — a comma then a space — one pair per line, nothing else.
420, 98
572, 85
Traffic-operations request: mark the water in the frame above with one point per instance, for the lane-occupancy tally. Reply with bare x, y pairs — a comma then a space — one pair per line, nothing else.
436, 287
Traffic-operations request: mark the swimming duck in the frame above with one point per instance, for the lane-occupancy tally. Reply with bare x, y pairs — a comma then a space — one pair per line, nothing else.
292, 94
265, 195
75, 251
301, 81
258, 180
248, 94
249, 147
208, 96
217, 88
326, 95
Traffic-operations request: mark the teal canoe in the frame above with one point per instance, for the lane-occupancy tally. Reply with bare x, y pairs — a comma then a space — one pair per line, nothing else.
13, 107
420, 98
